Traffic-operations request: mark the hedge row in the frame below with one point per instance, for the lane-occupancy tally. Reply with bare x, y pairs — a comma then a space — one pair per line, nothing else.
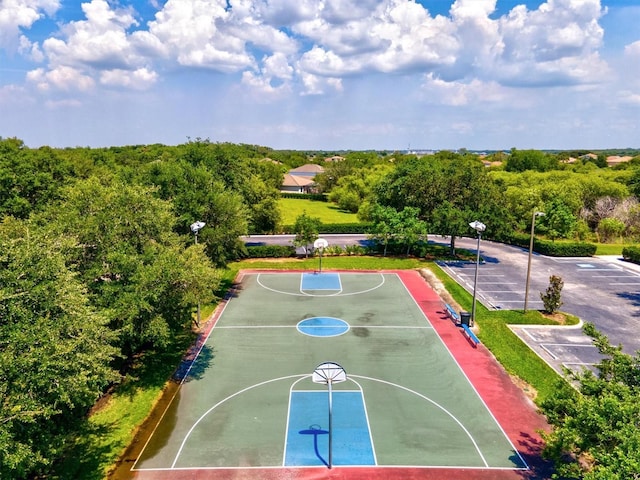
320, 197
631, 254
271, 251
554, 249
362, 228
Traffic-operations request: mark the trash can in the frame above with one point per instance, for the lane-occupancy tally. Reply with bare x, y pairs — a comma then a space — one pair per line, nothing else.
465, 318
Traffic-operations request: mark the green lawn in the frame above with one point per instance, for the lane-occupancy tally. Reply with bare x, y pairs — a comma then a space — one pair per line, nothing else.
610, 248
327, 212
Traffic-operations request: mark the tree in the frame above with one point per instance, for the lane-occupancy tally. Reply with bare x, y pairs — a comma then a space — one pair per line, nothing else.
134, 264
449, 190
306, 229
551, 298
521, 160
197, 195
410, 229
558, 221
384, 221
55, 348
610, 229
596, 432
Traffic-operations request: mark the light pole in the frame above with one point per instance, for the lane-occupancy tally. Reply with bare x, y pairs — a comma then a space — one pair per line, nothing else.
526, 287
195, 228
478, 227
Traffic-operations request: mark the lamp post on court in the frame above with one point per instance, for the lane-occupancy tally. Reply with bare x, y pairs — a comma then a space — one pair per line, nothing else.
526, 287
478, 227
195, 228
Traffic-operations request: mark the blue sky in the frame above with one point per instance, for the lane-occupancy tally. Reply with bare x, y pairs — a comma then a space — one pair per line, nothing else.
322, 74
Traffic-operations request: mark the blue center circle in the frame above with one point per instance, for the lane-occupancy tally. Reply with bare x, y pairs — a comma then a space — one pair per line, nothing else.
323, 327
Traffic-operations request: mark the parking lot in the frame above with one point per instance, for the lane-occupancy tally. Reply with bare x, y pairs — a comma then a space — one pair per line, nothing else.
602, 290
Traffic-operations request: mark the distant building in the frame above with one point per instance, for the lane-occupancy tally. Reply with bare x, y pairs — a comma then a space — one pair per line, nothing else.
616, 160
301, 179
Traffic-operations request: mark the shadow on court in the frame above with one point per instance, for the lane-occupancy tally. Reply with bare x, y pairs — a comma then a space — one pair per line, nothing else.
201, 364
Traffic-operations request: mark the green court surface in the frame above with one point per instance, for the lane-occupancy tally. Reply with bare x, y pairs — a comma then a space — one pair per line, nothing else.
249, 399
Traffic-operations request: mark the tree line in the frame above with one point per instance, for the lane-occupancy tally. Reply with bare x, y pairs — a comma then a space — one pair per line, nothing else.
98, 263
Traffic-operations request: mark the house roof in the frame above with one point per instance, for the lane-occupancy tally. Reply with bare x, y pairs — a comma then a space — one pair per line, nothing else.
615, 159
296, 181
308, 169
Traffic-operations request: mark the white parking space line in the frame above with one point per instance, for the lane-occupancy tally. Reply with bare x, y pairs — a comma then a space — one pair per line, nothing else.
624, 283
613, 276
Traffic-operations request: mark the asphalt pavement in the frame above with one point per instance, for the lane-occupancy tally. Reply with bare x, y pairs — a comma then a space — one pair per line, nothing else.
603, 290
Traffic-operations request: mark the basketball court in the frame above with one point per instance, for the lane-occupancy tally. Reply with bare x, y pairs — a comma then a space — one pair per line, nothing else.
306, 373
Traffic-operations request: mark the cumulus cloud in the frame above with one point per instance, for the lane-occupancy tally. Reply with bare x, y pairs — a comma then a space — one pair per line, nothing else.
60, 78
277, 45
139, 79
633, 50
22, 14
100, 41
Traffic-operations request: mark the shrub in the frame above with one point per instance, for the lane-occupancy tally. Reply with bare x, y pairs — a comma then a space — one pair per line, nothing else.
565, 249
631, 254
271, 251
551, 298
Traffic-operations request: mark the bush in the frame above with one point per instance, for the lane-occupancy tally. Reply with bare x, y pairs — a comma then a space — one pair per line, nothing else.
551, 298
554, 249
320, 197
565, 249
271, 251
631, 254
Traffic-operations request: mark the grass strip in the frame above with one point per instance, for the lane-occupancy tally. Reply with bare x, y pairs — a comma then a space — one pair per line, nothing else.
513, 354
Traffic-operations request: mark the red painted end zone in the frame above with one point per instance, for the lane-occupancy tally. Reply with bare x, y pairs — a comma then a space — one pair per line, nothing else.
514, 411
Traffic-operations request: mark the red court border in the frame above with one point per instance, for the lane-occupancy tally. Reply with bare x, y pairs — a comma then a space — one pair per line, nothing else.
516, 414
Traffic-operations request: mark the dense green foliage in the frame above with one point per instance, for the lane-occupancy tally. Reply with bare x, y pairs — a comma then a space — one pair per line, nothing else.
597, 429
55, 348
631, 254
100, 272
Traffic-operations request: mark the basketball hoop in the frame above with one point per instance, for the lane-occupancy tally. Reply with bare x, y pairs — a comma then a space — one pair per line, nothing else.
320, 244
329, 373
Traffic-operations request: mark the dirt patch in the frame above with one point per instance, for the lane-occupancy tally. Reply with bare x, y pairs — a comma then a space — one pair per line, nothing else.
438, 287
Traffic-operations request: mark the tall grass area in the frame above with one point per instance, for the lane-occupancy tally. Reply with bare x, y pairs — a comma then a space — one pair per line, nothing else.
111, 428
327, 212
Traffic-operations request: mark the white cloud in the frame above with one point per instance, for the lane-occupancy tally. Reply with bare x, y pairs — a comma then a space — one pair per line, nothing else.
61, 78
556, 43
139, 79
203, 33
18, 14
316, 85
458, 93
633, 50
100, 41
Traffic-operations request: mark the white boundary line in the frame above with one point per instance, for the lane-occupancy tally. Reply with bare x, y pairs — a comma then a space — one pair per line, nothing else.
184, 377
465, 376
302, 294
302, 376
